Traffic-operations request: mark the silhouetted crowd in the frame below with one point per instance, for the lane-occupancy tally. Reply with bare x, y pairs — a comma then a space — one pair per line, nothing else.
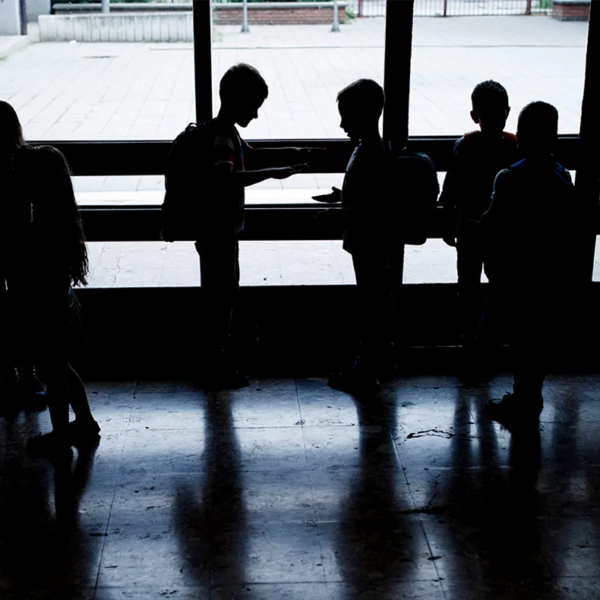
510, 210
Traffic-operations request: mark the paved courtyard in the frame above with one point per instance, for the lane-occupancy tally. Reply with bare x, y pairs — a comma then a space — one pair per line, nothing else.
69, 91
145, 91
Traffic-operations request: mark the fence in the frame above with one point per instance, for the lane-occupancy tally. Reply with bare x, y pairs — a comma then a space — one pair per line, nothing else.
457, 8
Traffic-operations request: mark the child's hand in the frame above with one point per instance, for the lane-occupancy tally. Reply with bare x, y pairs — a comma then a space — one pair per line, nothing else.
450, 240
310, 152
335, 196
285, 172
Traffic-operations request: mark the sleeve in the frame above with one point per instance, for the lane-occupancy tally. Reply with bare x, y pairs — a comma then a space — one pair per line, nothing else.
449, 198
359, 182
491, 222
224, 150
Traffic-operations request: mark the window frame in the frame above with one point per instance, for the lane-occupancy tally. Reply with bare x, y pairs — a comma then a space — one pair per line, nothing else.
578, 152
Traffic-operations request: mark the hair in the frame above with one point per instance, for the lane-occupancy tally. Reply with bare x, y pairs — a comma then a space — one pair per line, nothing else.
11, 132
537, 127
365, 94
489, 93
56, 209
243, 81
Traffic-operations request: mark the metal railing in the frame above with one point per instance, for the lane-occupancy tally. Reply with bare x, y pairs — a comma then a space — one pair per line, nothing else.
457, 8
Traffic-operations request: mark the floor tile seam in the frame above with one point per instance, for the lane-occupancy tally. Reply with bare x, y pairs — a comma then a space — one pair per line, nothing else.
299, 403
310, 471
545, 557
319, 539
395, 579
420, 517
203, 428
112, 502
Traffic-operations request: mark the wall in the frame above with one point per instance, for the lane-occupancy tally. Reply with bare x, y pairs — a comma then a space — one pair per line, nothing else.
152, 27
571, 10
313, 14
10, 19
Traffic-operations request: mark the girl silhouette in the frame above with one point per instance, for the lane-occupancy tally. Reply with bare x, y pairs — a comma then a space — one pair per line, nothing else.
46, 255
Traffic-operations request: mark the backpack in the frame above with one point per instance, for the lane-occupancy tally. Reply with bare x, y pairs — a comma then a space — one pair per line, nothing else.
186, 177
416, 174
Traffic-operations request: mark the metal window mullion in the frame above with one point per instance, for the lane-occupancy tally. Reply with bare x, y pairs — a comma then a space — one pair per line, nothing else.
396, 70
396, 74
588, 170
202, 19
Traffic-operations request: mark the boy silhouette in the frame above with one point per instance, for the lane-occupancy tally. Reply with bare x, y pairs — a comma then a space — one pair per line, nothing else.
242, 91
477, 158
370, 232
532, 231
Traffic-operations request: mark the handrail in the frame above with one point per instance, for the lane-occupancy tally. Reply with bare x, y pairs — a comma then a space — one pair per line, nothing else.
149, 157
263, 222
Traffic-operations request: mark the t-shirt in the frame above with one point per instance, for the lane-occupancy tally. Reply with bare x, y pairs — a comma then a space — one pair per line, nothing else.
227, 148
476, 161
368, 196
199, 204
534, 226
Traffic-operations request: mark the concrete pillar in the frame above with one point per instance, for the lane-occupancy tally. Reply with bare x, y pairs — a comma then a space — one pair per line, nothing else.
35, 8
10, 17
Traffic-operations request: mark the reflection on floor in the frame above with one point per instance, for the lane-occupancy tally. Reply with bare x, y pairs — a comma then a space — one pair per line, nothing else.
290, 490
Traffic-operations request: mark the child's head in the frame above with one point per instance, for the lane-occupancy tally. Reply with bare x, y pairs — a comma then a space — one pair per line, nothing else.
490, 106
360, 105
243, 91
537, 129
11, 134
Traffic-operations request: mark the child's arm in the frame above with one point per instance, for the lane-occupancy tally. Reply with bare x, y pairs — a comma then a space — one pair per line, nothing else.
227, 175
281, 156
453, 185
491, 222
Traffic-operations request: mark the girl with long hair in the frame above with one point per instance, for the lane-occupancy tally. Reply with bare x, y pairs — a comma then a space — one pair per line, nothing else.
11, 142
46, 257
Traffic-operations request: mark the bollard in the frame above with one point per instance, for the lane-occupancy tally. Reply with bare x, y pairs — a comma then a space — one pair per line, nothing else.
245, 27
336, 24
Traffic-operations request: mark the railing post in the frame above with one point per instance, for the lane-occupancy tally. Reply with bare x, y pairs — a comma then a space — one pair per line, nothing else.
445, 8
335, 27
105, 6
245, 27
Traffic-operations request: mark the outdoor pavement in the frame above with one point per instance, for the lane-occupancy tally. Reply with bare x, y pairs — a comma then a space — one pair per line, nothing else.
69, 91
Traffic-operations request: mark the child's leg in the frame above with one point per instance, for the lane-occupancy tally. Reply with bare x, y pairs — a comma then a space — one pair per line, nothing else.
220, 275
57, 442
530, 347
77, 396
469, 266
57, 396
375, 301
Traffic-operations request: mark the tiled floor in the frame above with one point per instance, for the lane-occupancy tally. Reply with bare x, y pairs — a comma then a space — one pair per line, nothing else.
290, 490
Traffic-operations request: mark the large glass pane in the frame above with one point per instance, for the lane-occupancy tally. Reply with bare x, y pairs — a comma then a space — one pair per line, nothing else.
305, 66
535, 57
102, 90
